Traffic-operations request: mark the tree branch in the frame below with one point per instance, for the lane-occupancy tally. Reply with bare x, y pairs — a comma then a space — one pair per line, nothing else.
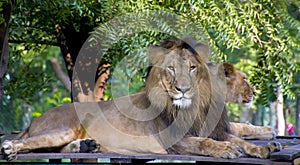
4, 48
60, 74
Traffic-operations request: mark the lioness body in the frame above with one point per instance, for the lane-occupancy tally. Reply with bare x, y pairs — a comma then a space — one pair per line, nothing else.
181, 111
239, 90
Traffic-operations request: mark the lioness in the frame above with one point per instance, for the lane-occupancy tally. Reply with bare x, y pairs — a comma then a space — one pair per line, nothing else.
181, 112
239, 90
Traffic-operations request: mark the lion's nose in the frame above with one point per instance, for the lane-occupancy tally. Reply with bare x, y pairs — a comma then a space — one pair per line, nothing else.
182, 89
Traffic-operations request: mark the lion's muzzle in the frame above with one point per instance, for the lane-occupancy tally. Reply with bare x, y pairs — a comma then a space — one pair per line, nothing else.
182, 102
182, 98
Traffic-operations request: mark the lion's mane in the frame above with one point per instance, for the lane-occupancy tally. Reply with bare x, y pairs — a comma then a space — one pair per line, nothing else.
204, 96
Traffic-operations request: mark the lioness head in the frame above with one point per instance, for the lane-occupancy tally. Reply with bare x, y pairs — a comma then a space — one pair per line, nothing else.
177, 70
239, 89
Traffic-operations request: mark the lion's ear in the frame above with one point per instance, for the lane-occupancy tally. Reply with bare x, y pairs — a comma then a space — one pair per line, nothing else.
229, 70
155, 53
203, 50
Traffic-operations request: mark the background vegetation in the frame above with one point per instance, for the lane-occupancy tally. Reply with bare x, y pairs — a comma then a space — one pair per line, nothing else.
260, 37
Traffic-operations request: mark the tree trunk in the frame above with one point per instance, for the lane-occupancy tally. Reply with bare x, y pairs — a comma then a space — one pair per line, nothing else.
273, 121
263, 112
77, 53
101, 83
4, 48
68, 59
279, 113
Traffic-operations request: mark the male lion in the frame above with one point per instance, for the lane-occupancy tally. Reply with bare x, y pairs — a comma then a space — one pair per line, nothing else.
181, 112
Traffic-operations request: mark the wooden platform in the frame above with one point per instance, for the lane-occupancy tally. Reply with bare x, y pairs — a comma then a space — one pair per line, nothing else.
288, 156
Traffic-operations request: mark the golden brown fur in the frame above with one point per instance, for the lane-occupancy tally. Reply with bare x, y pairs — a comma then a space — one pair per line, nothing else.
239, 90
249, 131
202, 101
181, 111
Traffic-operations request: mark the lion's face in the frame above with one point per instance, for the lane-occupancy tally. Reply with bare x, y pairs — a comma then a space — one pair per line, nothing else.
175, 76
179, 73
239, 89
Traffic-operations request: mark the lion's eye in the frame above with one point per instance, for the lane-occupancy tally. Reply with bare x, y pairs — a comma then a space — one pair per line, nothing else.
192, 68
171, 68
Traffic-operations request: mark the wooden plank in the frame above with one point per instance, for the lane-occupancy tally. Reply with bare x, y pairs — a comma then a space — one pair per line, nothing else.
287, 137
32, 156
284, 142
120, 160
288, 154
290, 151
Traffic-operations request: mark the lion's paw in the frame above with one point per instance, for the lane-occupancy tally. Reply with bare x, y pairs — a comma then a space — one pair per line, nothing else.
274, 147
89, 145
83, 146
267, 133
268, 149
8, 150
228, 150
